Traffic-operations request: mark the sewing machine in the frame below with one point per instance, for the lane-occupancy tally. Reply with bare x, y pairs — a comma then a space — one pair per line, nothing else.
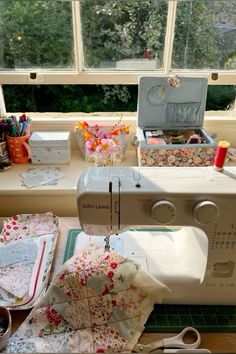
192, 246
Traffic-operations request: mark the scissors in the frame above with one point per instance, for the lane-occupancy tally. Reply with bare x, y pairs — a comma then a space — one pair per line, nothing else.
174, 344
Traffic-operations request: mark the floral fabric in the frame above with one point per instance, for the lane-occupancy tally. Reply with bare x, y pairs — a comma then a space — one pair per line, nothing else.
183, 157
16, 281
27, 244
27, 225
98, 302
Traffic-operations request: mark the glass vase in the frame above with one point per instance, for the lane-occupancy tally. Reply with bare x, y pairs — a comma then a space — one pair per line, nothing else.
102, 159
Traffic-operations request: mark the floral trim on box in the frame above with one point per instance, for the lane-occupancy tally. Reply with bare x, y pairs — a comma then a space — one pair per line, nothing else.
185, 157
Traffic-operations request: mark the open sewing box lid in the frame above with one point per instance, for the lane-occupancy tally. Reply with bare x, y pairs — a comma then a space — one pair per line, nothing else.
161, 105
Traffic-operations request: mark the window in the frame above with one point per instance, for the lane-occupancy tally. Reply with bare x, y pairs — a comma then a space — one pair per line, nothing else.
116, 41
205, 35
36, 34
123, 35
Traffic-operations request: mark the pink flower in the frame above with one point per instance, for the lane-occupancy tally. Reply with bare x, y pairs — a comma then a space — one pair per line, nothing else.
101, 140
82, 282
105, 291
62, 276
110, 274
113, 265
89, 147
52, 315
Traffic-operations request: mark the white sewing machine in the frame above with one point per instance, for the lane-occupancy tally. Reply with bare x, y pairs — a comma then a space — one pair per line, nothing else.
194, 208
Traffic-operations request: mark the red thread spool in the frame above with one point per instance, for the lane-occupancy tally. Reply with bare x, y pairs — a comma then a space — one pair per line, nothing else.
221, 154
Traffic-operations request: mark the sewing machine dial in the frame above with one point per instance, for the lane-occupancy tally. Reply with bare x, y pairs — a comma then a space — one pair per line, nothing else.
206, 212
163, 212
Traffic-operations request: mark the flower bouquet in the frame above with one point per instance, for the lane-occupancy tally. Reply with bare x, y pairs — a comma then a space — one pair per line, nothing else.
102, 145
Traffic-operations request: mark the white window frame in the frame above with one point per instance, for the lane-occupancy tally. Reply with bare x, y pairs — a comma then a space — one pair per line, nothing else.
92, 76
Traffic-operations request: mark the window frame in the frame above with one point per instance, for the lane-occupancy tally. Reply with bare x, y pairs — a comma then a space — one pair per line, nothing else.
80, 75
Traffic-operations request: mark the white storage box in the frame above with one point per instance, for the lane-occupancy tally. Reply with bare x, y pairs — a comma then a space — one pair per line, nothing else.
50, 147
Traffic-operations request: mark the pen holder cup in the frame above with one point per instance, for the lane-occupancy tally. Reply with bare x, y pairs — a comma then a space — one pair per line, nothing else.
18, 148
5, 326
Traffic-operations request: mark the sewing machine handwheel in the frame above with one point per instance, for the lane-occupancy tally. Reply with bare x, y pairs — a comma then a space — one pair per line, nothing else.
206, 212
163, 212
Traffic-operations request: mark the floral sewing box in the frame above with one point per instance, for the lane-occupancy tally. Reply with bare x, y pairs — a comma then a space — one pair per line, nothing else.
170, 122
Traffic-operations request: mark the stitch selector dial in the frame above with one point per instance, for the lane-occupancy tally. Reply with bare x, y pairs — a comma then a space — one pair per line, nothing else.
163, 212
206, 212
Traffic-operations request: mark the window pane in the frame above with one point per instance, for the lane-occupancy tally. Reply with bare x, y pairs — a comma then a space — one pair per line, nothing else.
205, 35
123, 34
36, 33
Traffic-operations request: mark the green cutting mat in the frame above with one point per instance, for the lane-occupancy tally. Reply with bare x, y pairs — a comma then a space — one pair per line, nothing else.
173, 318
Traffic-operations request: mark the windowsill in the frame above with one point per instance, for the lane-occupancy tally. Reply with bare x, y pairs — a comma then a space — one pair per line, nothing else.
61, 198
11, 179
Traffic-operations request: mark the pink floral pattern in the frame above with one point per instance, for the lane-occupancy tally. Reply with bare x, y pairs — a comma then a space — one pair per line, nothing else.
19, 285
183, 157
98, 301
27, 225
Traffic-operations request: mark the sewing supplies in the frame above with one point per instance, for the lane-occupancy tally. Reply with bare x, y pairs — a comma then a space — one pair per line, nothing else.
220, 155
163, 137
16, 132
14, 127
174, 342
155, 141
177, 110
194, 139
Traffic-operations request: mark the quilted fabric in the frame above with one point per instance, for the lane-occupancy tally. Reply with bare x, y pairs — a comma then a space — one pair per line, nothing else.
98, 302
27, 244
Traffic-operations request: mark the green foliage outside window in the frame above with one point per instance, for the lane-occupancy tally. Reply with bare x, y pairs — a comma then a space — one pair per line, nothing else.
35, 33
93, 98
197, 37
38, 33
120, 29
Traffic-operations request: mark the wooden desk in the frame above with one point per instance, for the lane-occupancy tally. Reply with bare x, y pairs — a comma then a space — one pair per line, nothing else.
215, 342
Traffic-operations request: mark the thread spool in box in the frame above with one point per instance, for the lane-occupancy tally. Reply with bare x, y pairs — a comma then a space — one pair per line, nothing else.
221, 155
18, 148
